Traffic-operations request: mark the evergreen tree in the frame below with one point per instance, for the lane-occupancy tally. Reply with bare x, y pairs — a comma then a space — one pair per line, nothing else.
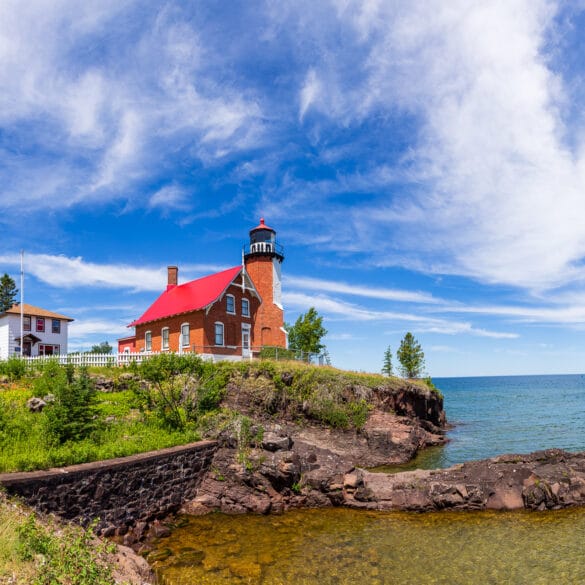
411, 357
8, 292
306, 334
387, 367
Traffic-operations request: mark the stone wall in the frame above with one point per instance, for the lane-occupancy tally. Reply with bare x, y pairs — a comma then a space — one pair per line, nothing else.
119, 492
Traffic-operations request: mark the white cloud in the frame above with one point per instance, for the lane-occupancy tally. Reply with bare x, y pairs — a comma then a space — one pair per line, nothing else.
71, 273
170, 197
388, 294
353, 312
84, 328
492, 183
309, 92
112, 103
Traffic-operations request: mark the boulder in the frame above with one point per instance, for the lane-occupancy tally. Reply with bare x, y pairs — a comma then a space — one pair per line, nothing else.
35, 404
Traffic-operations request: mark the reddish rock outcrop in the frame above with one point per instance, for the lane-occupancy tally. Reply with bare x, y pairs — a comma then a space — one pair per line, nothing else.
544, 480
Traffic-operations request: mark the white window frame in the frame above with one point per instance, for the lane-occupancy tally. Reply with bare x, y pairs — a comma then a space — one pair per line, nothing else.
227, 304
246, 304
183, 344
148, 341
56, 329
215, 334
164, 344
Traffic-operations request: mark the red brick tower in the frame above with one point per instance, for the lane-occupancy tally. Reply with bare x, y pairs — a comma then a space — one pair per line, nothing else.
263, 261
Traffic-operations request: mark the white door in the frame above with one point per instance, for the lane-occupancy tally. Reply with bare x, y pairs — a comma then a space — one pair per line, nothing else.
246, 341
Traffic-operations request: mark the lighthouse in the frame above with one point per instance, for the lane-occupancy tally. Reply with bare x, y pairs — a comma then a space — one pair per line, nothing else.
263, 259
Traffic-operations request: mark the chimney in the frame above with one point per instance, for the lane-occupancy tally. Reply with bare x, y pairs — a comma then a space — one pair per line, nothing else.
173, 276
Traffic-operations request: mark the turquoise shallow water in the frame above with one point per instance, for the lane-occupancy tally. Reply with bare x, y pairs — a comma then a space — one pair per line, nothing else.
492, 416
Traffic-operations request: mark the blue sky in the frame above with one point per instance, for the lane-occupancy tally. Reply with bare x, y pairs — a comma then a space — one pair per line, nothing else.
423, 163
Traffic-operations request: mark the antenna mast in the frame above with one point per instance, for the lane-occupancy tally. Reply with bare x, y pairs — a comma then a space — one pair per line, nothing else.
22, 303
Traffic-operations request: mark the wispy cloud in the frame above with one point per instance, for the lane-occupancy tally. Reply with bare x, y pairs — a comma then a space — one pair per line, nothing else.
388, 294
82, 329
71, 273
115, 112
354, 312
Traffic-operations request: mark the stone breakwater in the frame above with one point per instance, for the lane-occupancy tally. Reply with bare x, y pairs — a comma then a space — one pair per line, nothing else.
128, 496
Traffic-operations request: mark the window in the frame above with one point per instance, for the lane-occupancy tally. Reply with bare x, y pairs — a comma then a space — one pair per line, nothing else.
40, 324
56, 326
45, 349
148, 341
230, 304
165, 337
185, 341
245, 308
219, 334
26, 323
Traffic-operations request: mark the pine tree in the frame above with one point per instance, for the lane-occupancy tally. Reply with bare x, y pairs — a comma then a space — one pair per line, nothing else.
387, 367
8, 292
411, 357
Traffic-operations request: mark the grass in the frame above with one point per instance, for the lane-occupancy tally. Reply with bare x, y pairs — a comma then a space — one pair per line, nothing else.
25, 445
41, 552
130, 422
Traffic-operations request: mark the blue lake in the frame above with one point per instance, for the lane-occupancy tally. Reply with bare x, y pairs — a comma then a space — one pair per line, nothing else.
512, 414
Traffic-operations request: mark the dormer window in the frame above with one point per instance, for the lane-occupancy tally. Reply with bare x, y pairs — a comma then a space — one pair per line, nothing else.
230, 305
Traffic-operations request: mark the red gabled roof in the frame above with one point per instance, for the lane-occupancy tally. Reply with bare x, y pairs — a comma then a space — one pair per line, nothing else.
190, 296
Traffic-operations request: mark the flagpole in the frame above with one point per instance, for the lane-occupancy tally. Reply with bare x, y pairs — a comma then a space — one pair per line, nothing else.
22, 303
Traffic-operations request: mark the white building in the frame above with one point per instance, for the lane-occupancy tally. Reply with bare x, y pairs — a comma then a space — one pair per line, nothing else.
45, 332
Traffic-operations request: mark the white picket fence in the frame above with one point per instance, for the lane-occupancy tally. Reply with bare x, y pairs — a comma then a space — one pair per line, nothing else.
92, 359
125, 359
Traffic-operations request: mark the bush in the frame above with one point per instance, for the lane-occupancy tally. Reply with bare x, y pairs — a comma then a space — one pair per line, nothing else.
14, 367
73, 415
277, 353
181, 388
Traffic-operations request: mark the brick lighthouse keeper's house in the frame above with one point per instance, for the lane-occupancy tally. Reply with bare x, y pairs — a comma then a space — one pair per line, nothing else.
226, 315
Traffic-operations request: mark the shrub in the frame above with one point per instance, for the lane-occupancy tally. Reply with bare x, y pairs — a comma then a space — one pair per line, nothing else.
14, 367
73, 415
181, 388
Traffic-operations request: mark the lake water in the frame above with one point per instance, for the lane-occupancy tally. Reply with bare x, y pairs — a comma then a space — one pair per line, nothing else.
493, 415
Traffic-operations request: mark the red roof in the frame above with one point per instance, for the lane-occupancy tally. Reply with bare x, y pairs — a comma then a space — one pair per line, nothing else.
190, 296
262, 226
